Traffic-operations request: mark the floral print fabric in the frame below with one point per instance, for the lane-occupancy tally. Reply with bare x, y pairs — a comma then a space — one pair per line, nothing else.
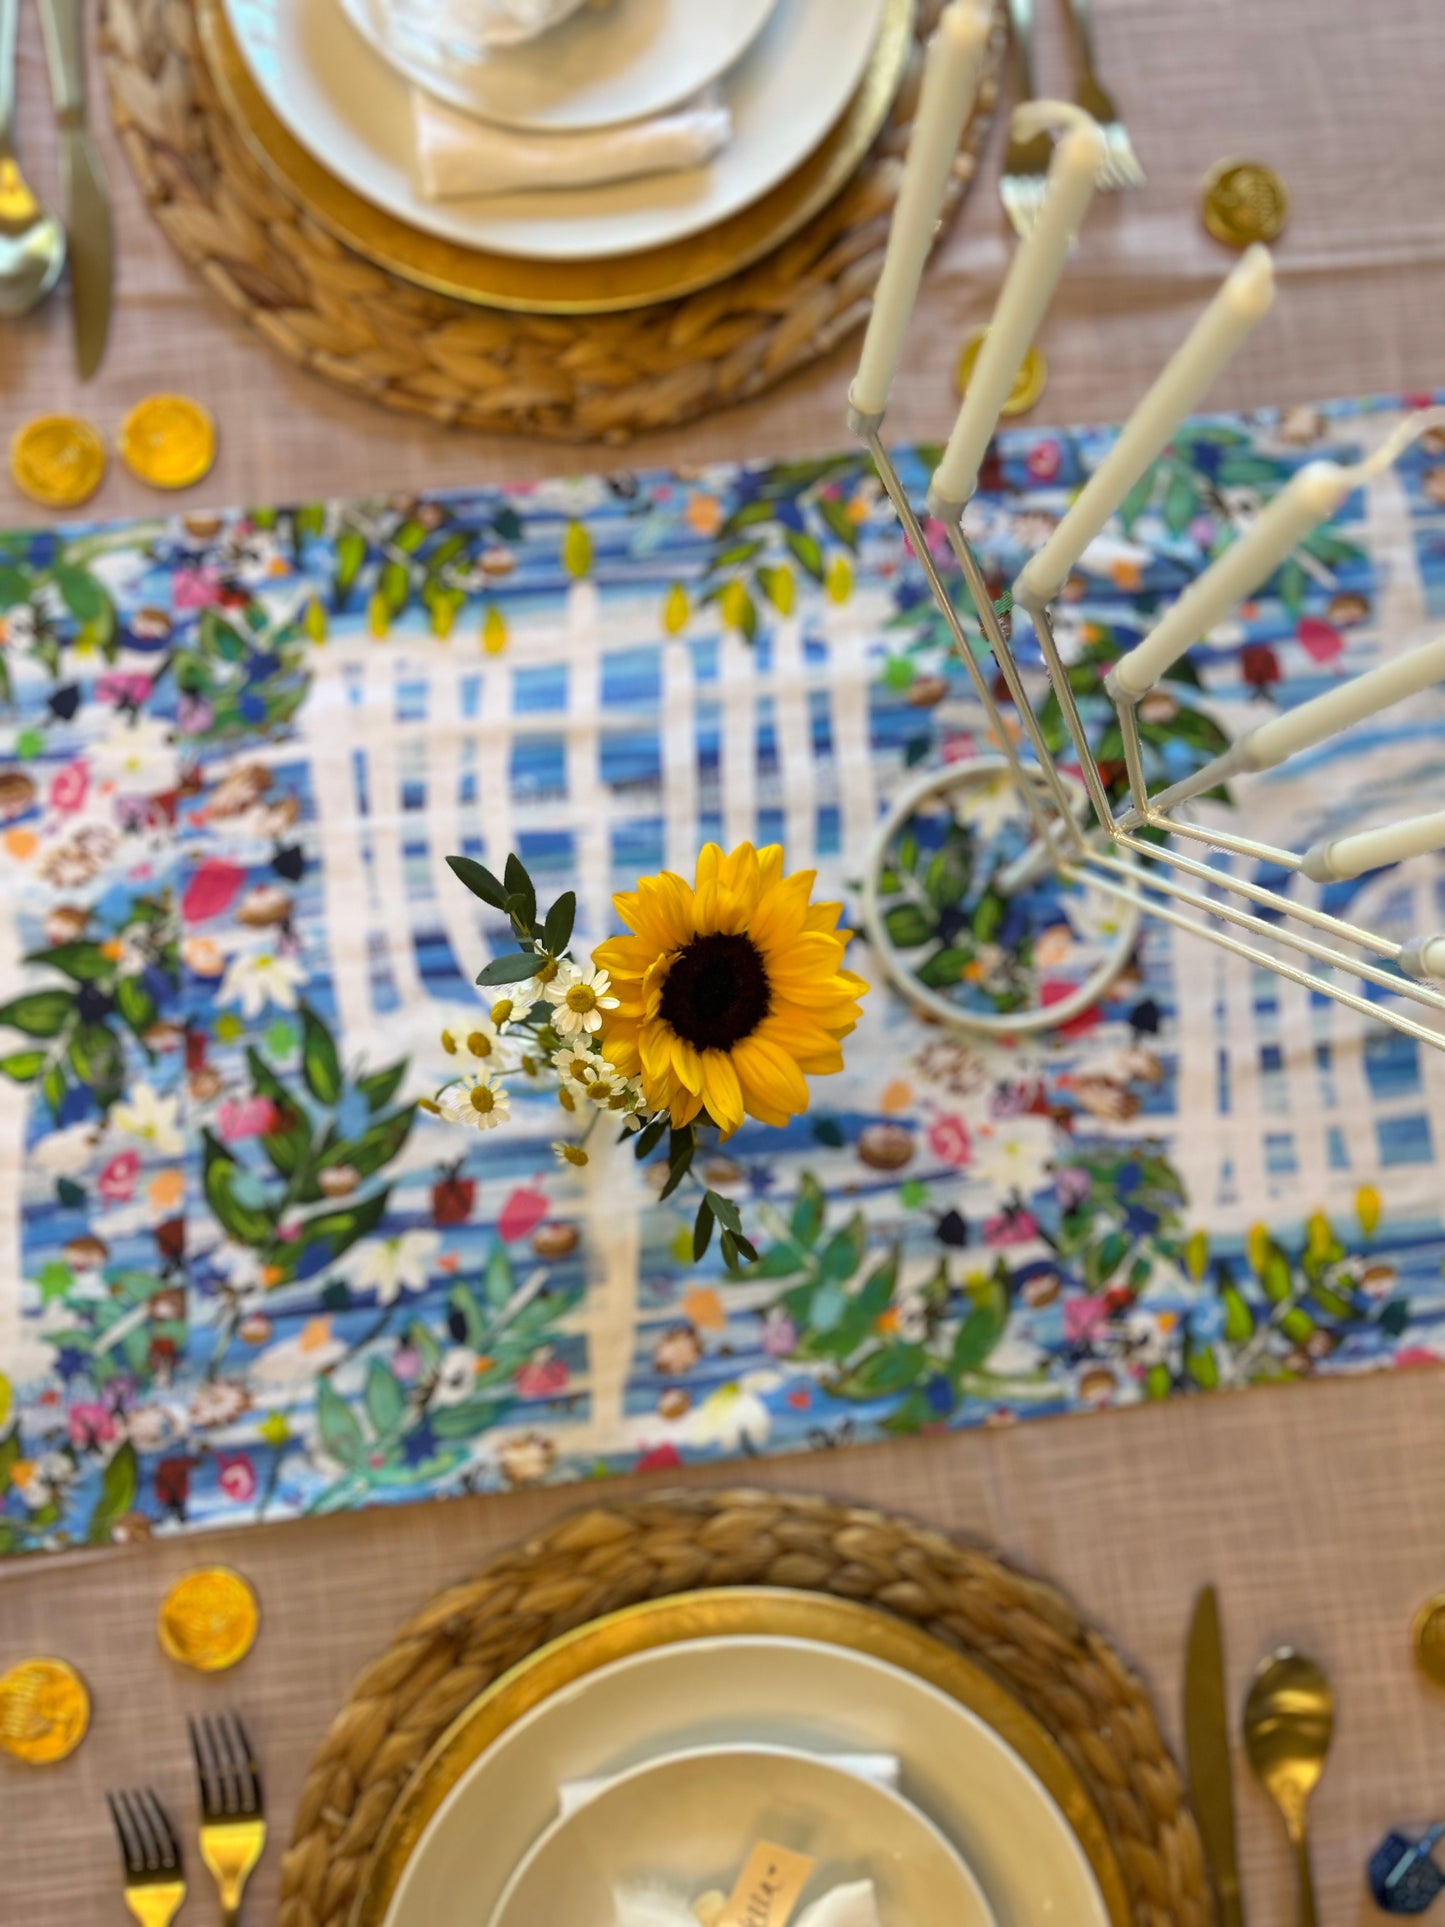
243, 1277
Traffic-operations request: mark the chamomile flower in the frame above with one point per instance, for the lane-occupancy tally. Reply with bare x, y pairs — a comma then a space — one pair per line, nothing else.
580, 1068
475, 1101
569, 1153
477, 1042
578, 998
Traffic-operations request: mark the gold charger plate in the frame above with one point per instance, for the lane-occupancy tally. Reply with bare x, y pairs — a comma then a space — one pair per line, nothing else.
729, 1611
561, 287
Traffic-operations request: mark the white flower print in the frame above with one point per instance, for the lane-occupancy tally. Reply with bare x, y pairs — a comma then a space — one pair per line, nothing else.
154, 1119
734, 1416
66, 1152
218, 1402
258, 978
456, 1375
137, 755
389, 1266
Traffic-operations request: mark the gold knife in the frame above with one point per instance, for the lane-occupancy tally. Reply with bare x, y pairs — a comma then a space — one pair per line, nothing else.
1206, 1745
87, 205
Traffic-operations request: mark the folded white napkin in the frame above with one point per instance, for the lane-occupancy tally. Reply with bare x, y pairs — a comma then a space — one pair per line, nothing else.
855, 1905
457, 155
881, 1768
483, 23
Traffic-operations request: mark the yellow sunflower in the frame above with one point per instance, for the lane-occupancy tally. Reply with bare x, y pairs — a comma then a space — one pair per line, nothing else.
730, 990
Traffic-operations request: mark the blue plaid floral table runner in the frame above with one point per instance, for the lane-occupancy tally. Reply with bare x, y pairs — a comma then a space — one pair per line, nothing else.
243, 1278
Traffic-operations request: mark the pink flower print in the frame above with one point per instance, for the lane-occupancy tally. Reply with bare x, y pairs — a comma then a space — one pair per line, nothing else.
90, 1425
779, 1334
948, 1139
1321, 641
542, 1377
1010, 1228
523, 1211
116, 1182
214, 888
236, 1477
1071, 1186
194, 715
1084, 1320
195, 588
118, 687
661, 1458
240, 1117
406, 1364
1044, 460
68, 787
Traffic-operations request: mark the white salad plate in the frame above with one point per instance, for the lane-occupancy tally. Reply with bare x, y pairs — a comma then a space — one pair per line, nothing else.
352, 112
602, 66
686, 1824
751, 1690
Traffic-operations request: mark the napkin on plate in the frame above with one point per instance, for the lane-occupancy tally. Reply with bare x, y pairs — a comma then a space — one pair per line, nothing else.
484, 23
855, 1905
457, 155
881, 1768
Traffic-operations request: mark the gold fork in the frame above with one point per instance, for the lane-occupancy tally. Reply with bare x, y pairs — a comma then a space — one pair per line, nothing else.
233, 1833
155, 1883
1025, 162
1121, 164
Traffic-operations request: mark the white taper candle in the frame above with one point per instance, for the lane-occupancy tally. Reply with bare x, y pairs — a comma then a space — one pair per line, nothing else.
1241, 302
1317, 491
1336, 859
950, 85
1268, 743
1027, 290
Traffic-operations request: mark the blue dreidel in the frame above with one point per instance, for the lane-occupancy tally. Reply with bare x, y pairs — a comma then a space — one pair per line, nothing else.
1402, 1876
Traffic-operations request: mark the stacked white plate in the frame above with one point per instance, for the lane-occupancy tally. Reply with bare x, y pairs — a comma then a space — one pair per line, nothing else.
702, 1746
338, 75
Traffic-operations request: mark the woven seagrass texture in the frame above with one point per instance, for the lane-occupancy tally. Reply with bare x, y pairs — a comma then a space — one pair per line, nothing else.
597, 1561
583, 378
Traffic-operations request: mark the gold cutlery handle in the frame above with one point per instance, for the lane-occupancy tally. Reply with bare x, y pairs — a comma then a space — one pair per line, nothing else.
9, 21
156, 1905
1021, 14
63, 25
1300, 1841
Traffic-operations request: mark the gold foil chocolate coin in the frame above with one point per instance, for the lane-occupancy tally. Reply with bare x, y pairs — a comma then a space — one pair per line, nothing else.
208, 1619
1429, 1636
58, 460
1028, 383
44, 1711
1244, 202
168, 441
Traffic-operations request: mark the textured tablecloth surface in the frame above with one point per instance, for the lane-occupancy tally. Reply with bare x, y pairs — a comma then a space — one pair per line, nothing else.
1316, 1510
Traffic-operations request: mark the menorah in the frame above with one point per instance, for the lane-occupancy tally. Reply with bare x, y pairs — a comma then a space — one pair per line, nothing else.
1130, 854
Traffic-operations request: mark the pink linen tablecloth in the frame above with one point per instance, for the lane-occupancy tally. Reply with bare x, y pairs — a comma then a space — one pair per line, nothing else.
1317, 1511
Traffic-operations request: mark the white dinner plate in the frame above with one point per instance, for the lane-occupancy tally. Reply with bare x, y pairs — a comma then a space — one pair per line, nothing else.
602, 66
352, 112
687, 1823
758, 1690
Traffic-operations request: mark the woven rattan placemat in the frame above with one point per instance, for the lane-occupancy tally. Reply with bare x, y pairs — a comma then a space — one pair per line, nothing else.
583, 378
1028, 1634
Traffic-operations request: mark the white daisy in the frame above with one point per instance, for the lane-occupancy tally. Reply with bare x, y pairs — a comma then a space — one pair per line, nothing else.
476, 1101
152, 1118
579, 1069
259, 978
477, 1042
389, 1266
578, 999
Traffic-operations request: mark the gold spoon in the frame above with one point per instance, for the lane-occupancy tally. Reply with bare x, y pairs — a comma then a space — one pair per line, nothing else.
32, 242
1288, 1718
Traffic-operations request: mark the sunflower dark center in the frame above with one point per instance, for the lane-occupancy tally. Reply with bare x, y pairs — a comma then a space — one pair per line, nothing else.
716, 992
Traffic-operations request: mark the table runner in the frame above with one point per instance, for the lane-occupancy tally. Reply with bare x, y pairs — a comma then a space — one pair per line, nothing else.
248, 1280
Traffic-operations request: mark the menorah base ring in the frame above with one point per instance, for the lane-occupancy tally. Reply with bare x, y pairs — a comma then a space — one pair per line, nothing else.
1031, 1016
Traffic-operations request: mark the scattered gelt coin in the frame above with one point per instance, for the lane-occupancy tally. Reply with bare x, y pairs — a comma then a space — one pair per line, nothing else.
168, 441
1430, 1639
208, 1619
1028, 383
44, 1711
1244, 202
58, 460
